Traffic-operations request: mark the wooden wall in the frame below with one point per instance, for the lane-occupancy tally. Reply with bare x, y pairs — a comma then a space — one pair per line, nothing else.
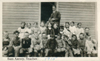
79, 12
15, 13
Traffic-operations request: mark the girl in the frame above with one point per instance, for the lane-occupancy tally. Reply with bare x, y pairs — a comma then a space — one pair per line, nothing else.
66, 30
49, 30
56, 29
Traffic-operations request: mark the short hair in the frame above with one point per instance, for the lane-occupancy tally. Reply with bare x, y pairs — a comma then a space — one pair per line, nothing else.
36, 23
6, 32
42, 21
79, 23
15, 32
66, 36
66, 22
61, 27
82, 34
56, 24
23, 23
74, 35
28, 23
54, 6
87, 28
73, 22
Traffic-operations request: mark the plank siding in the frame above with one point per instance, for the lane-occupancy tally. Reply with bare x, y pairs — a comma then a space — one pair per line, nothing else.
15, 13
79, 12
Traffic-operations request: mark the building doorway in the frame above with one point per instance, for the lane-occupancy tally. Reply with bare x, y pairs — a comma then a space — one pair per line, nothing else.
46, 10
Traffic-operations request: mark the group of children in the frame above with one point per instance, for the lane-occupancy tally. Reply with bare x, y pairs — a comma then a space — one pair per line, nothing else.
49, 40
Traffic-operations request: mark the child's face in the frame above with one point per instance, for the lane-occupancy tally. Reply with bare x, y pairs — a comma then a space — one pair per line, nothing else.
49, 25
58, 36
16, 34
79, 26
6, 35
55, 26
29, 25
73, 38
26, 35
44, 35
89, 38
36, 37
22, 25
87, 30
81, 36
42, 24
61, 29
66, 25
35, 24
65, 38
72, 24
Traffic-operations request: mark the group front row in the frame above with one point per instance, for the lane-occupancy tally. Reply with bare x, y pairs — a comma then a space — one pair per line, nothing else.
49, 41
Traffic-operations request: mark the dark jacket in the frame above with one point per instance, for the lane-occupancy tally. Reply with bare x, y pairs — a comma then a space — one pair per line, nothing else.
51, 44
50, 32
26, 42
56, 15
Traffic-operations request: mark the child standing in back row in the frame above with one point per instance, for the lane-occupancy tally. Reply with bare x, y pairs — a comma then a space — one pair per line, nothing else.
22, 30
79, 29
72, 28
66, 30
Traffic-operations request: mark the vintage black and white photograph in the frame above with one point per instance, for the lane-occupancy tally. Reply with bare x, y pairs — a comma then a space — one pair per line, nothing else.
49, 29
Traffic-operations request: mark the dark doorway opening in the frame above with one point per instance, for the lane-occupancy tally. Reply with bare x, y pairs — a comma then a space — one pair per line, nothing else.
46, 10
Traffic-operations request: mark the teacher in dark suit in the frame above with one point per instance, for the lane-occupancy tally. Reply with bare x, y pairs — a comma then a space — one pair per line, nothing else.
55, 16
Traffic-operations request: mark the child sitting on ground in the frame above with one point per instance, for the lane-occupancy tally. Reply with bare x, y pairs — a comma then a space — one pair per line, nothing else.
15, 42
8, 50
75, 46
68, 49
60, 46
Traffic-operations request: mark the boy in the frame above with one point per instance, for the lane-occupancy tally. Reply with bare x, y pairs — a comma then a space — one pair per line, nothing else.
66, 30
25, 44
16, 43
61, 31
29, 28
8, 51
89, 46
87, 32
75, 45
72, 27
95, 48
68, 44
51, 46
35, 28
44, 42
60, 46
36, 45
42, 27
82, 42
22, 30
79, 29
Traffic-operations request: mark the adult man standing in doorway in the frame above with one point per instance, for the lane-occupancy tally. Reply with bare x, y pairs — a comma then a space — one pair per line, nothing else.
55, 16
